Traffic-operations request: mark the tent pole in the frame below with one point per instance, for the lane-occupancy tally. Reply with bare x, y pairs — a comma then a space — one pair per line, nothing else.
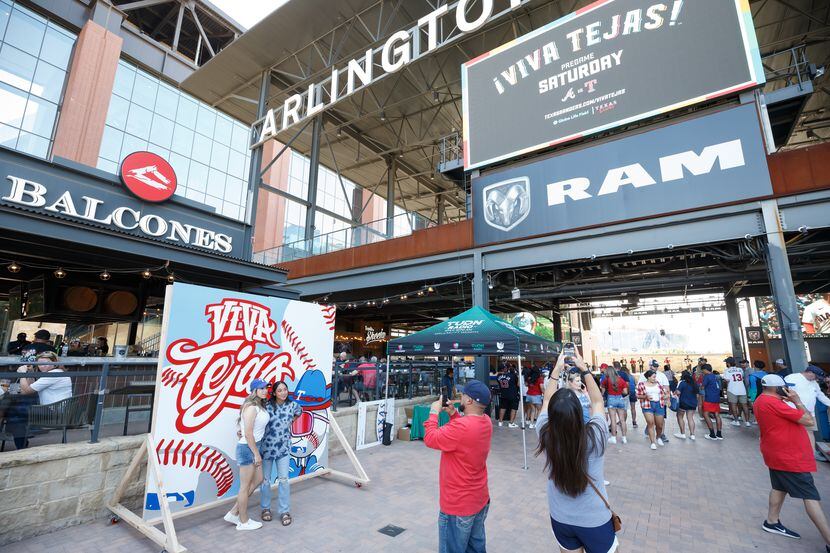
386, 386
522, 407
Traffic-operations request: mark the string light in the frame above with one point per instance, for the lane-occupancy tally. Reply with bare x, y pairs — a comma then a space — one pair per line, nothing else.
14, 267
171, 278
146, 273
403, 297
59, 273
105, 275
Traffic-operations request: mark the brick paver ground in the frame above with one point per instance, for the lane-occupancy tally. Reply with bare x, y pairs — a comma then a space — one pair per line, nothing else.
707, 497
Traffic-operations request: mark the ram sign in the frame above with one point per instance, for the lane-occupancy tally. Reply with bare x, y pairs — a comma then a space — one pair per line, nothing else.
710, 160
609, 64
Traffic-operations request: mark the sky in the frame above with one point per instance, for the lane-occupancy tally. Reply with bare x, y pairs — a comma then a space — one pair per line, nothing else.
247, 12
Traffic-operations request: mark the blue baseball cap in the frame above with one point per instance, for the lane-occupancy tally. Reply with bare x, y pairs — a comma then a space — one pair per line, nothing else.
258, 383
815, 370
478, 391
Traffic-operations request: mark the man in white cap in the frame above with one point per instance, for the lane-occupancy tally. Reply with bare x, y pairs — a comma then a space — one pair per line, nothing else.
807, 387
786, 451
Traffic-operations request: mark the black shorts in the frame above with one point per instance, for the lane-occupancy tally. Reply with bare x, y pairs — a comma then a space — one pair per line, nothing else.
798, 485
511, 404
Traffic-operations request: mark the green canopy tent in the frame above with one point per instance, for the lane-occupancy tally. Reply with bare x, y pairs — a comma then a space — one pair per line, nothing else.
473, 332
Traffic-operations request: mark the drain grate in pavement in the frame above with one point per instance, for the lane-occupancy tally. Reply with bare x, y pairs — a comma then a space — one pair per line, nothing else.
391, 530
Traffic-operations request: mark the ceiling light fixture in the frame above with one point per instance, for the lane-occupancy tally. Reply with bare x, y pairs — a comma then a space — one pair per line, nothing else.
105, 275
14, 267
146, 273
59, 273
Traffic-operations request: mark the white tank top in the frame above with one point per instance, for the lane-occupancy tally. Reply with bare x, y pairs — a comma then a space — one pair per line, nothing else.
260, 422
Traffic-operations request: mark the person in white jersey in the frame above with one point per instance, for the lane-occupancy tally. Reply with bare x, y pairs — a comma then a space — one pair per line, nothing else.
253, 418
816, 317
735, 378
806, 386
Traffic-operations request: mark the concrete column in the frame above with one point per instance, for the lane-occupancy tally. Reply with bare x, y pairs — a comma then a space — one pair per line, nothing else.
87, 98
481, 298
783, 291
391, 166
313, 171
733, 318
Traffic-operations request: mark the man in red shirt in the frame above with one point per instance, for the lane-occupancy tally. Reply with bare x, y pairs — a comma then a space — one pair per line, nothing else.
462, 477
788, 455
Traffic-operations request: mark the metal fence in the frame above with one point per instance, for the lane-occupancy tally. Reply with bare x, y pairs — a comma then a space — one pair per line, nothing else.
98, 384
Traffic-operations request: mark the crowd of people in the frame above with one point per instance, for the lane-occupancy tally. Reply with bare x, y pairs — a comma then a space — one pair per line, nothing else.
583, 411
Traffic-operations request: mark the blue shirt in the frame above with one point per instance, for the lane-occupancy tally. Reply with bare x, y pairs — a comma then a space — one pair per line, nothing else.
586, 407
688, 394
754, 380
277, 439
711, 388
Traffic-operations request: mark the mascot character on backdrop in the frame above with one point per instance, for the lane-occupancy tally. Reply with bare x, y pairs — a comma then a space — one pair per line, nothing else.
308, 433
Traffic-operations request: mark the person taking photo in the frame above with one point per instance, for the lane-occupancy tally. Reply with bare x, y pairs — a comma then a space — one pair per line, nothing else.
574, 460
464, 444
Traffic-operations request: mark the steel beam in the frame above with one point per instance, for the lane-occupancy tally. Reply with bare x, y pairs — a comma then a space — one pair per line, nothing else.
140, 4
783, 291
254, 178
733, 318
391, 170
178, 32
313, 171
204, 34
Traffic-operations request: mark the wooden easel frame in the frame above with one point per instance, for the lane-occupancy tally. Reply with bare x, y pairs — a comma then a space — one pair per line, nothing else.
168, 539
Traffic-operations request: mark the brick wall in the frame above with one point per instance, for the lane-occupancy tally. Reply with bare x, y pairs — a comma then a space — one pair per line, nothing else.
49, 487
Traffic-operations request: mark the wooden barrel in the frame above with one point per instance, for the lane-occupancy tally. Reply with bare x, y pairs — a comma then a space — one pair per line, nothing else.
121, 303
80, 298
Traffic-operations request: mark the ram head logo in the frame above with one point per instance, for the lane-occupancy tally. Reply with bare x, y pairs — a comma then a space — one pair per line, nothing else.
506, 203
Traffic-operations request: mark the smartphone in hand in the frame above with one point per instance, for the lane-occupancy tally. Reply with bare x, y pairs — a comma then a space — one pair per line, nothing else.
445, 396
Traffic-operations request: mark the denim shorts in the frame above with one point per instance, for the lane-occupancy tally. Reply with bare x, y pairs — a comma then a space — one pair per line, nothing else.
616, 402
655, 408
244, 455
600, 539
534, 400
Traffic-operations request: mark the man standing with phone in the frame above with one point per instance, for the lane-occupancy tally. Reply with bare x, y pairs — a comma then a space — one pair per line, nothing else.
787, 453
462, 477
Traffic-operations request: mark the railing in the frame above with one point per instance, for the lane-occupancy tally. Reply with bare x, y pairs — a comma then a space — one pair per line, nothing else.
103, 382
407, 379
451, 148
351, 237
798, 68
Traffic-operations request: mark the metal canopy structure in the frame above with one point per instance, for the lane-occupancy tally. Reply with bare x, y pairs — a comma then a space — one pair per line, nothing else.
408, 116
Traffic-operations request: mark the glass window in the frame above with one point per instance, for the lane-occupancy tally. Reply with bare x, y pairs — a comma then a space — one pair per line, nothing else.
17, 68
25, 30
161, 132
206, 121
43, 84
138, 122
12, 105
167, 100
240, 142
117, 113
111, 144
124, 79
107, 165
5, 12
194, 137
8, 136
144, 91
57, 46
32, 144
40, 117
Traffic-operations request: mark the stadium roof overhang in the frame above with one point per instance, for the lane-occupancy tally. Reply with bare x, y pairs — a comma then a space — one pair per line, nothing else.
406, 116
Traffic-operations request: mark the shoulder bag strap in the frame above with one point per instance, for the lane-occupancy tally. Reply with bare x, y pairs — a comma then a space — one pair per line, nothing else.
591, 483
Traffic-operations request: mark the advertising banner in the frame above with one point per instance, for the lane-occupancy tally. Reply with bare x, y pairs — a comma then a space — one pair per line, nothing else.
606, 65
814, 310
214, 343
710, 160
754, 337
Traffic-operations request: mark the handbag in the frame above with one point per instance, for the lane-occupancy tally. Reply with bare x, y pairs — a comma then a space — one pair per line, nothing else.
673, 404
615, 518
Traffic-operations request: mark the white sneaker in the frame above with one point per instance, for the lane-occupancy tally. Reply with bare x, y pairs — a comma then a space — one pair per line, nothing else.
513, 425
532, 425
232, 518
612, 440
653, 446
250, 525
692, 437
735, 423
624, 440
501, 423
748, 424
660, 442
606, 483
679, 436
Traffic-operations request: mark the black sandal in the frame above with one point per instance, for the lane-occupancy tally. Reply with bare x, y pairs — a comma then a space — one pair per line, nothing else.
285, 518
266, 515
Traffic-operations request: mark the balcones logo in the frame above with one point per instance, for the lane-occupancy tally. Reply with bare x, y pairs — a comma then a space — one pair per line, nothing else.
148, 176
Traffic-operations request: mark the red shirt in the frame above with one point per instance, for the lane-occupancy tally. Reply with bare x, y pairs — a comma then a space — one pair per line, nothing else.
535, 388
784, 443
462, 477
614, 388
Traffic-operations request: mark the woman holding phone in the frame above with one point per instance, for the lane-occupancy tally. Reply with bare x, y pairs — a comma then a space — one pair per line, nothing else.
253, 418
574, 452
